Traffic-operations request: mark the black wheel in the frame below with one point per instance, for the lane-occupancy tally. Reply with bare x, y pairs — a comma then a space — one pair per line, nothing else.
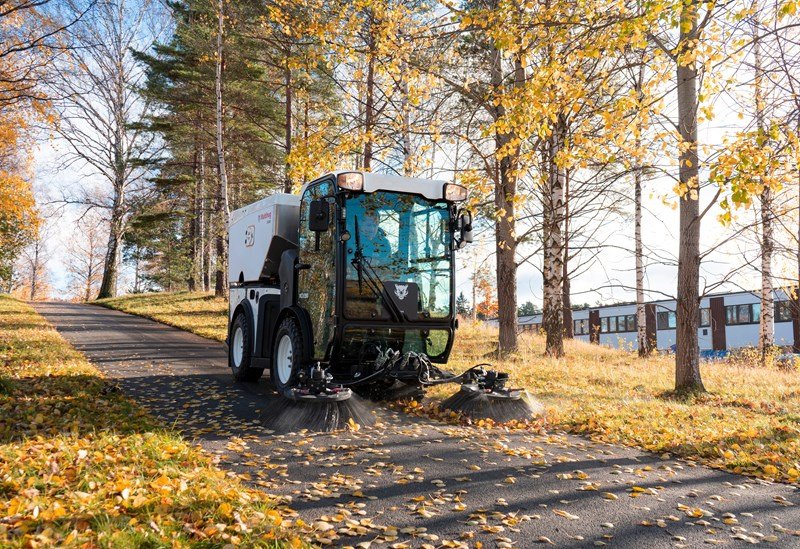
287, 356
241, 351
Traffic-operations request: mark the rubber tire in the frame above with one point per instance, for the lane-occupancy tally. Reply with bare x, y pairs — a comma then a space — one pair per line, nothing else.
244, 372
288, 326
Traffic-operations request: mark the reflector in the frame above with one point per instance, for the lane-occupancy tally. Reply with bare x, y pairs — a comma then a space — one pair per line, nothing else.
454, 193
352, 181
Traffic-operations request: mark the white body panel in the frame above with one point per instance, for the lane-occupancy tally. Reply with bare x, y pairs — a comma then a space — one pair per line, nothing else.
251, 230
431, 189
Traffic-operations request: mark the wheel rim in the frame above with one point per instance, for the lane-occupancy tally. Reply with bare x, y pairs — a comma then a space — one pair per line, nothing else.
283, 360
238, 347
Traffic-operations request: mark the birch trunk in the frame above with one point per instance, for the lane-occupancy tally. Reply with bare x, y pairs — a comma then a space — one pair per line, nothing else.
767, 317
35, 267
645, 345
406, 122
120, 165
796, 300
687, 354
222, 209
552, 273
566, 299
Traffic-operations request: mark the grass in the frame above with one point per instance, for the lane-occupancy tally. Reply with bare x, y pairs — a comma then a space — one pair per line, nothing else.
81, 465
747, 422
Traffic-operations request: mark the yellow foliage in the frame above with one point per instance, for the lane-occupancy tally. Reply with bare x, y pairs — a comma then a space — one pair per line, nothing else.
73, 476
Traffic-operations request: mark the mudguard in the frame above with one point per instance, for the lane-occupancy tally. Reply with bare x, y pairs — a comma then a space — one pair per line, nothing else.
248, 310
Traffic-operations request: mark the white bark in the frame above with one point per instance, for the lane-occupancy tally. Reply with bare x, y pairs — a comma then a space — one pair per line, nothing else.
766, 320
552, 272
641, 314
99, 111
222, 207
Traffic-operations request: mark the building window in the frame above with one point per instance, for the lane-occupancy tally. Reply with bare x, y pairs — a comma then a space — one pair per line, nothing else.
747, 313
783, 311
618, 324
581, 327
705, 318
666, 320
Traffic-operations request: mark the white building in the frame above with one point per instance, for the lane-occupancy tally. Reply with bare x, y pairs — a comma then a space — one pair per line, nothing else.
727, 321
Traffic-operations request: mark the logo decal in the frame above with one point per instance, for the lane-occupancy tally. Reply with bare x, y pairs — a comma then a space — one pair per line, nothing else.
401, 291
250, 236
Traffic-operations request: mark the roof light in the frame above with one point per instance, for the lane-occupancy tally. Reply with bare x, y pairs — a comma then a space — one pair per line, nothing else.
454, 193
352, 181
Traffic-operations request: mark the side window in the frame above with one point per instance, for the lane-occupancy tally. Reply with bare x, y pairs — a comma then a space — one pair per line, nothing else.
308, 238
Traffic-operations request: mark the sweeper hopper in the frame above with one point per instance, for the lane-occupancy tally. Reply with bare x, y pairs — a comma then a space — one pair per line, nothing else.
350, 287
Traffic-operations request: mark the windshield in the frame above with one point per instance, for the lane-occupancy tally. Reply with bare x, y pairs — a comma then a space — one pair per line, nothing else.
401, 239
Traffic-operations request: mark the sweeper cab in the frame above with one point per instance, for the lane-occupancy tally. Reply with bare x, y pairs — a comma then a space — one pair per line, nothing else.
349, 287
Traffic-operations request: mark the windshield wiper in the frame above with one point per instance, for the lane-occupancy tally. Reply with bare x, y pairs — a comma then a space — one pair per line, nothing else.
367, 273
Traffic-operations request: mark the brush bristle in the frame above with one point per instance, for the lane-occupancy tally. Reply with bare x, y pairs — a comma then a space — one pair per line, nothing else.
478, 405
285, 416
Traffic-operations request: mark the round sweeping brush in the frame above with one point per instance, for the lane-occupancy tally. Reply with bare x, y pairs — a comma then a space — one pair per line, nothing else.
284, 415
501, 407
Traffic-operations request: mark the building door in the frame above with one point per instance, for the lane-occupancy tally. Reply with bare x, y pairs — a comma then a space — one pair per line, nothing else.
650, 328
718, 340
594, 326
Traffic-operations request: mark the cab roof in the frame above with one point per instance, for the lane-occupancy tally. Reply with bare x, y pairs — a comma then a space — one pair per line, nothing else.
432, 189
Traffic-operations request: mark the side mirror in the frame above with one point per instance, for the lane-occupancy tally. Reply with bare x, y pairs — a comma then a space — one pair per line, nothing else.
465, 222
318, 216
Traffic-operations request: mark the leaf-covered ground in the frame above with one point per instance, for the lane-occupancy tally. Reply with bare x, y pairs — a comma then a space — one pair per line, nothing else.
409, 482
81, 465
748, 423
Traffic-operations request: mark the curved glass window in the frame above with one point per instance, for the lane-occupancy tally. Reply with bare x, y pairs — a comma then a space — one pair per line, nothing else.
402, 239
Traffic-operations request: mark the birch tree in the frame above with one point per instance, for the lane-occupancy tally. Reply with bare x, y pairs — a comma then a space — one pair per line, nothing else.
766, 334
100, 113
221, 206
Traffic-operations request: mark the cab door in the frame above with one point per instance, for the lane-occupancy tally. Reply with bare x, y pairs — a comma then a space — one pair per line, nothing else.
316, 284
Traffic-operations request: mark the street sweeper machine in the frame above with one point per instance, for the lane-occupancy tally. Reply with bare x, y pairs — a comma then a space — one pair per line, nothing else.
350, 287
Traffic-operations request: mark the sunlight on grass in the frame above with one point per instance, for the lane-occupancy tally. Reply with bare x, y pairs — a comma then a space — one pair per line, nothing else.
199, 313
748, 423
81, 465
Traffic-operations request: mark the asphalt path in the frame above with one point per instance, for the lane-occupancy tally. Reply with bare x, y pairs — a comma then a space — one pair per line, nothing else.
412, 482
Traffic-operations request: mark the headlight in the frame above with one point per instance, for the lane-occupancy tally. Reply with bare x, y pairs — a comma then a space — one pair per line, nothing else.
454, 193
352, 181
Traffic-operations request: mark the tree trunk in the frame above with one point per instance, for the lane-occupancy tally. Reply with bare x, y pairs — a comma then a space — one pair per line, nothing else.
115, 233
641, 314
222, 209
369, 108
194, 223
35, 268
406, 116
767, 317
475, 291
566, 299
505, 229
552, 273
687, 353
645, 345
287, 78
